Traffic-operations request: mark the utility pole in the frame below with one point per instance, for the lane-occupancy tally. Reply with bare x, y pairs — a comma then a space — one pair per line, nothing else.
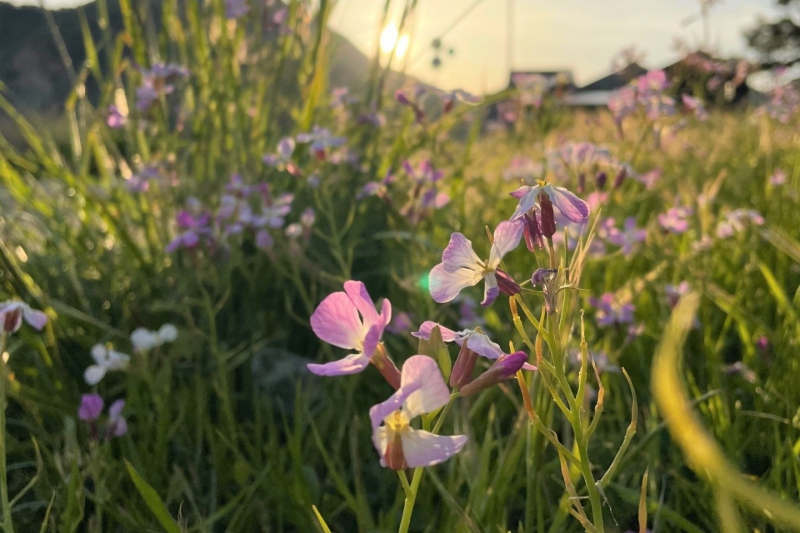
510, 35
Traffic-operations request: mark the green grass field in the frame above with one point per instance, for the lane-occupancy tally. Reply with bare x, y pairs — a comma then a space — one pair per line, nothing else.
679, 411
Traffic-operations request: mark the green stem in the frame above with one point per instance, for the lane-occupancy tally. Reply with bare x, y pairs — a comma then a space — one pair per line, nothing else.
411, 492
8, 524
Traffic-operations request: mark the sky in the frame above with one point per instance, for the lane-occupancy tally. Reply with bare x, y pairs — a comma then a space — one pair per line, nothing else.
583, 36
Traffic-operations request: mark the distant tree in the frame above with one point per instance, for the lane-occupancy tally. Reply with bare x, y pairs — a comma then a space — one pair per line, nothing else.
778, 42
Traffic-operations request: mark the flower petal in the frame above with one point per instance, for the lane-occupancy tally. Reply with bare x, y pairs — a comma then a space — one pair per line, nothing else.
100, 354
459, 254
94, 374
35, 318
526, 202
482, 345
570, 205
352, 364
168, 333
422, 448
115, 409
372, 339
506, 237
432, 393
448, 335
336, 322
445, 286
386, 312
358, 294
490, 290
380, 411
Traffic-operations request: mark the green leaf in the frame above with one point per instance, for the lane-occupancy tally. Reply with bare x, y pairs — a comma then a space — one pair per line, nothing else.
153, 501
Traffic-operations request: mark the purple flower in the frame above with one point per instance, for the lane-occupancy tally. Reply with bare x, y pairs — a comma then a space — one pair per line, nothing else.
91, 407
196, 227
117, 425
235, 9
13, 312
461, 267
675, 219
422, 390
140, 181
600, 359
476, 340
116, 119
611, 310
336, 321
320, 139
282, 158
401, 323
627, 238
377, 188
156, 83
622, 104
778, 177
783, 104
572, 207
648, 179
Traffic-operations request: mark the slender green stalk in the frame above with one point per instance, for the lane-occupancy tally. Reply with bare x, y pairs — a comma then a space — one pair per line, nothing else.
8, 523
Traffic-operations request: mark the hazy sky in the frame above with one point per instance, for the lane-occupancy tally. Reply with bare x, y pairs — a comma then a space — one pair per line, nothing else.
581, 35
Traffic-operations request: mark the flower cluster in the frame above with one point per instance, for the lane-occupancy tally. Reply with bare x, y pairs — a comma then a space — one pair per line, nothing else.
158, 82
784, 101
734, 222
91, 409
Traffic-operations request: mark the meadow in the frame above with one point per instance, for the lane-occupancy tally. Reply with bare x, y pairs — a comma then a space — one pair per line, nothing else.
197, 269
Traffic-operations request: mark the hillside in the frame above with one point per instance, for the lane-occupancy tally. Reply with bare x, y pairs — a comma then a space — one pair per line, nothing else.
33, 71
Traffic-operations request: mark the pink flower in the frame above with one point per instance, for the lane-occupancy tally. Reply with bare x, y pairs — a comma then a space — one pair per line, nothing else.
734, 222
572, 207
778, 177
675, 219
116, 119
611, 310
628, 237
13, 312
117, 425
422, 390
336, 321
461, 267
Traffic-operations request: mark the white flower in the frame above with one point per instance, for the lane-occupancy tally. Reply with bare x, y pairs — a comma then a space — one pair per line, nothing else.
144, 340
107, 360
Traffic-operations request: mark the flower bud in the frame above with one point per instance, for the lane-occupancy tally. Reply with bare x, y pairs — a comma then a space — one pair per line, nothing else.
462, 369
543, 275
504, 368
581, 183
533, 235
12, 320
401, 97
506, 283
600, 180
548, 216
620, 177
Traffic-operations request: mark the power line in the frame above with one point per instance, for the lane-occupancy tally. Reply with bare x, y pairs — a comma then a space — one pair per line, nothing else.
450, 28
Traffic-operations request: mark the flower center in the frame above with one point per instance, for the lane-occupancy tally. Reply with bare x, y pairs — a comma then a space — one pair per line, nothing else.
397, 421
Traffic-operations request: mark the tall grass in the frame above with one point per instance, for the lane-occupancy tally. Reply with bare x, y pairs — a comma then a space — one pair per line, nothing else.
229, 432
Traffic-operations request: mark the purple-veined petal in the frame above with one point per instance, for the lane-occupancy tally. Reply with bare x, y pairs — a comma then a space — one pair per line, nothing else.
570, 205
482, 345
506, 238
459, 254
422, 448
520, 193
336, 322
380, 411
444, 286
352, 364
371, 340
357, 292
490, 290
526, 202
448, 335
432, 393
